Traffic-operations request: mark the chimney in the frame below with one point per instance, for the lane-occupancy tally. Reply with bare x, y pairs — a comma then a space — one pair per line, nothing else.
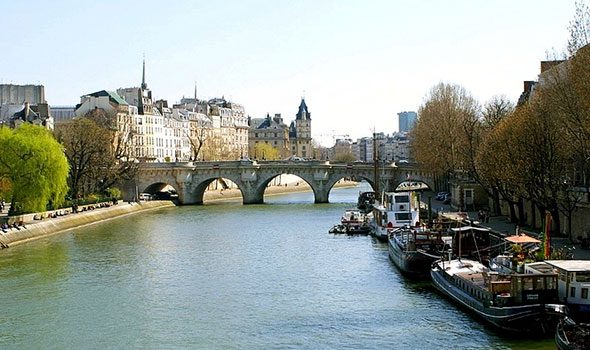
528, 85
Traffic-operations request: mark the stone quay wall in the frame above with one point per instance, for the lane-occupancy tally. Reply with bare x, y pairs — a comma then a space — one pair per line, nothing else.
36, 229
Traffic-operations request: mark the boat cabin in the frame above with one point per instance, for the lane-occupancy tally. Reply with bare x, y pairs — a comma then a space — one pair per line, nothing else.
396, 210
573, 282
471, 241
509, 290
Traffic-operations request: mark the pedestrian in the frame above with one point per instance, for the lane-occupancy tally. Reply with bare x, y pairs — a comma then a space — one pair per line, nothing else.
481, 216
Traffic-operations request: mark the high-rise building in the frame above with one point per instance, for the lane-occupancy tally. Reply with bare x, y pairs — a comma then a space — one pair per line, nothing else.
407, 121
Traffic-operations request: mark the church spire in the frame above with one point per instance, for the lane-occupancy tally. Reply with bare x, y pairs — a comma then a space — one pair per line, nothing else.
195, 91
143, 84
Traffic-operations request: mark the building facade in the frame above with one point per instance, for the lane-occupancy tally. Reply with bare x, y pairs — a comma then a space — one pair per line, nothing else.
272, 131
19, 94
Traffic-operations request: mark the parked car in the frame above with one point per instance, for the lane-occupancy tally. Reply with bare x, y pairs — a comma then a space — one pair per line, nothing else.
441, 196
145, 196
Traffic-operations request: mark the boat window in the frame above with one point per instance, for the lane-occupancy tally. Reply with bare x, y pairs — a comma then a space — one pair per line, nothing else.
403, 216
528, 284
402, 199
584, 293
582, 277
551, 282
573, 292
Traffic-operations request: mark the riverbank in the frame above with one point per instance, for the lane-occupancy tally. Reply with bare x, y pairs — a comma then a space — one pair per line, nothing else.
234, 193
43, 228
35, 229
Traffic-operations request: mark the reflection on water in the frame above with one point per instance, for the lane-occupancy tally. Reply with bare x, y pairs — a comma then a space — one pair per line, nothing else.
226, 276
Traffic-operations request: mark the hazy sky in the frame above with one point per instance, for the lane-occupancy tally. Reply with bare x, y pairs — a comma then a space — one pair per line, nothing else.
358, 63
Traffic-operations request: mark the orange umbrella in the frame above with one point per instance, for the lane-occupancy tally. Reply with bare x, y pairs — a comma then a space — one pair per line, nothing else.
522, 239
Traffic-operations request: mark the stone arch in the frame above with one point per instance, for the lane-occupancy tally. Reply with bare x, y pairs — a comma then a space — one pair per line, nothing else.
199, 187
337, 177
399, 183
267, 178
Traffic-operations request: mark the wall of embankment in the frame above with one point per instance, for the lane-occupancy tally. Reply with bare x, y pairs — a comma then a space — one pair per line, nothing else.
51, 226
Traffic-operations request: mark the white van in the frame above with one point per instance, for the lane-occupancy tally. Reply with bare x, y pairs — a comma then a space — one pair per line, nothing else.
145, 196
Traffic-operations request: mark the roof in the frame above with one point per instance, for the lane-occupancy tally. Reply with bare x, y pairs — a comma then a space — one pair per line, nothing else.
303, 112
113, 96
571, 265
470, 228
522, 239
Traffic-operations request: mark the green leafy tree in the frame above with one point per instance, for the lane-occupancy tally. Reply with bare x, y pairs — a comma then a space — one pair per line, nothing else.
33, 168
265, 151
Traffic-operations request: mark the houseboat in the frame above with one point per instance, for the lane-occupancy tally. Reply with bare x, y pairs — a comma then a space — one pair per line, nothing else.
414, 249
396, 209
573, 284
515, 303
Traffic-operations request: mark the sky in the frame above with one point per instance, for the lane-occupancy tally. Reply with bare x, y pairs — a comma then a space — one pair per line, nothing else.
357, 63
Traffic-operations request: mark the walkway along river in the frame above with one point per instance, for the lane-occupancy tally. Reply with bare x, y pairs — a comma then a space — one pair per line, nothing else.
226, 276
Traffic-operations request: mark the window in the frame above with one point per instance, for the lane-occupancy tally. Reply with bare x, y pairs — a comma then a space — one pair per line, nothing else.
573, 292
584, 293
403, 216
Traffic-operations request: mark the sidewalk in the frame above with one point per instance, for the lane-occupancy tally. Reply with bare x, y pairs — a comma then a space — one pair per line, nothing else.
503, 225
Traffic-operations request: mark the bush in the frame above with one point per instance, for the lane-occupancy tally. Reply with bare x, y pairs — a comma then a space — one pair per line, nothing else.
113, 192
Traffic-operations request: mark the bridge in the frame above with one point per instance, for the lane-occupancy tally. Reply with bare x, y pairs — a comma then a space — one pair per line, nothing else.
191, 179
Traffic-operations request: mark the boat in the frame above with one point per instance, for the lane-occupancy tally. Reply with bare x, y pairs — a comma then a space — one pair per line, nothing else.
573, 284
514, 303
394, 211
414, 249
353, 222
571, 335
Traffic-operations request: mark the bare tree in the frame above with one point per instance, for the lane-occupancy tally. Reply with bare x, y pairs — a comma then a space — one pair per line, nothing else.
579, 28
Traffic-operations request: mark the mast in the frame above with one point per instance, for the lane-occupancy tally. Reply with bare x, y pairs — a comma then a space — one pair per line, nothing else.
375, 172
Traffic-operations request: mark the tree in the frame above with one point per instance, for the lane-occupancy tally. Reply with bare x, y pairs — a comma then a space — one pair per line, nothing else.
86, 148
198, 135
99, 152
442, 136
33, 168
265, 151
579, 28
494, 112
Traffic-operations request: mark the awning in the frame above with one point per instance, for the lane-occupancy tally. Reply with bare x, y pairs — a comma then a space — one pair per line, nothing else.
522, 239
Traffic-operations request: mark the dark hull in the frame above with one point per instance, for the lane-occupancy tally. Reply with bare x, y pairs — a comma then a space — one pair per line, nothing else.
411, 263
533, 319
572, 336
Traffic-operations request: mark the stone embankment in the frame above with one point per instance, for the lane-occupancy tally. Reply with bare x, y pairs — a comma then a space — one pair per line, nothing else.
53, 222
31, 230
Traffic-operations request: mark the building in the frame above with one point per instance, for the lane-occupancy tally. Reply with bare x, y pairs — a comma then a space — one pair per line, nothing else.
394, 148
24, 103
62, 114
272, 131
35, 114
232, 123
406, 121
19, 94
112, 108
300, 132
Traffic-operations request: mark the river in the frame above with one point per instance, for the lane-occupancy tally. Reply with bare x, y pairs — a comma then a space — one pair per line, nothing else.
226, 276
